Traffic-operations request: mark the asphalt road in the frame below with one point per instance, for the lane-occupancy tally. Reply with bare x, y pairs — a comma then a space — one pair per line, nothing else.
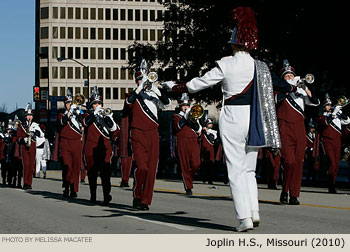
43, 210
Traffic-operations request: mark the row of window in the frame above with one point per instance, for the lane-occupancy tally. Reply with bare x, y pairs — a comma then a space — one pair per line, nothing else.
78, 13
107, 93
101, 33
100, 73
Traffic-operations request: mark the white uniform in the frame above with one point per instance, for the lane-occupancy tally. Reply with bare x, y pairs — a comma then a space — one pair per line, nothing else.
235, 73
39, 142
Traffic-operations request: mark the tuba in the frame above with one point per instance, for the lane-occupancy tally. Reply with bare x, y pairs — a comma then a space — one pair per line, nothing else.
342, 101
196, 112
79, 99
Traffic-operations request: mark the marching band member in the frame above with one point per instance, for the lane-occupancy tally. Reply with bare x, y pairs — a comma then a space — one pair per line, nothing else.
6, 157
312, 150
240, 122
208, 138
187, 147
290, 114
70, 145
331, 122
100, 129
273, 158
42, 154
143, 104
26, 134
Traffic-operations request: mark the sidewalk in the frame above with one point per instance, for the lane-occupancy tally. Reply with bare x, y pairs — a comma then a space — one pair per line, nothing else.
309, 196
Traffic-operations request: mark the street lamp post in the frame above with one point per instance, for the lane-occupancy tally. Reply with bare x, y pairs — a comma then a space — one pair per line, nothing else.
87, 69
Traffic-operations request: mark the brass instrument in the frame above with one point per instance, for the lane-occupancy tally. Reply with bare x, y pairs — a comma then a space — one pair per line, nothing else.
105, 112
346, 154
79, 99
308, 79
29, 134
196, 112
342, 101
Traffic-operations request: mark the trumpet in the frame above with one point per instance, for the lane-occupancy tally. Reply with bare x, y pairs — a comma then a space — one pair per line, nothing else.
105, 112
79, 99
196, 112
342, 101
308, 79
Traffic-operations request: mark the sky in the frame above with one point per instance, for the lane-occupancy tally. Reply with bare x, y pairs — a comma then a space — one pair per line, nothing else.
17, 38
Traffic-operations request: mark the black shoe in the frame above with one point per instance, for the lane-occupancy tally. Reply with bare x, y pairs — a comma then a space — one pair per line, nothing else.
19, 186
189, 192
294, 201
4, 182
142, 207
73, 195
136, 202
93, 200
107, 200
27, 187
284, 198
332, 189
44, 175
65, 194
124, 184
210, 183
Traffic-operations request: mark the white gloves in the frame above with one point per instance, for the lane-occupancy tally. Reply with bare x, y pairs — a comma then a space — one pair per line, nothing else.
97, 110
337, 111
168, 84
155, 90
187, 113
25, 140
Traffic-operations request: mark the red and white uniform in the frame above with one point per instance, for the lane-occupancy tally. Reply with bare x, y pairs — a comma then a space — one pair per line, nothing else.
331, 134
28, 153
187, 149
144, 140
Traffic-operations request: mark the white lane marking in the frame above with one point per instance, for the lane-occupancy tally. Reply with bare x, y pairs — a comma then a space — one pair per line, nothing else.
177, 226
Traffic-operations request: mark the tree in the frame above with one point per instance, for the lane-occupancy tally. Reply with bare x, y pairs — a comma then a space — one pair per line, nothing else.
196, 35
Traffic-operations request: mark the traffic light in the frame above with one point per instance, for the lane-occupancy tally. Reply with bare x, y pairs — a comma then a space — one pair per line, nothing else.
36, 93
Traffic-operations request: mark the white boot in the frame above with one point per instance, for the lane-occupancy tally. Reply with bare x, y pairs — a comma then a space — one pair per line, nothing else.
256, 218
244, 225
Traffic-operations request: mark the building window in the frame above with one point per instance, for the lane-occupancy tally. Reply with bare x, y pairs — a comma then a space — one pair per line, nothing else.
70, 32
115, 93
77, 90
122, 53
62, 13
100, 90
62, 52
85, 33
77, 13
152, 35
54, 72
93, 73
70, 72
115, 53
86, 91
44, 32
130, 74
54, 91
108, 73
122, 93
85, 53
100, 14
70, 52
115, 73
108, 14
137, 15
159, 15
85, 13
160, 35
137, 34
93, 13
144, 34
85, 73
44, 72
77, 53
122, 34
92, 33
108, 54
122, 14
44, 13
152, 15
54, 52
100, 53
108, 33
115, 33
55, 32
100, 33
77, 72
62, 72
62, 32
115, 14
62, 91
92, 53
108, 93
144, 15
55, 12
70, 13
100, 73
130, 34
77, 33
130, 15
123, 74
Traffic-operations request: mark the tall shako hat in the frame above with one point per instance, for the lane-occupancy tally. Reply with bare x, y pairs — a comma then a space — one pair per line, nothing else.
327, 100
68, 97
10, 125
138, 74
28, 110
95, 96
287, 68
245, 32
184, 100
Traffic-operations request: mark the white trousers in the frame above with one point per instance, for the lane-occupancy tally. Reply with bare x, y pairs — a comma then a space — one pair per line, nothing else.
240, 160
39, 161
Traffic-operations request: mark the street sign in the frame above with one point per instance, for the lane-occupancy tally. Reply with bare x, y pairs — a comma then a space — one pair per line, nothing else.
86, 83
44, 95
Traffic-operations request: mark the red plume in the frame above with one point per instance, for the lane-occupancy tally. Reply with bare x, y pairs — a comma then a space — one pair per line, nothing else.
246, 27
